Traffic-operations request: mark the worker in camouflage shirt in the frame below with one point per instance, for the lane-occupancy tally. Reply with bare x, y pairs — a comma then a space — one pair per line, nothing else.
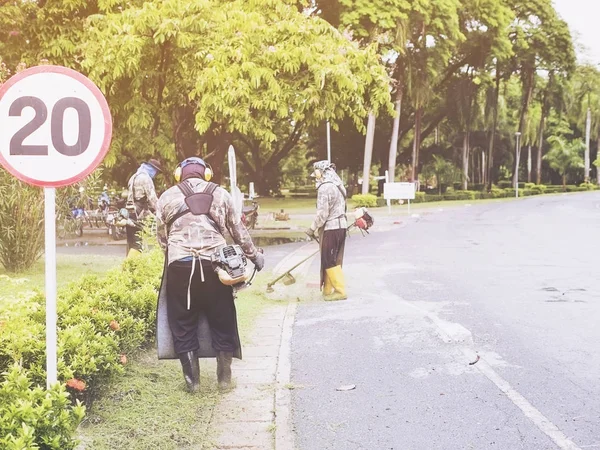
193, 287
141, 201
330, 225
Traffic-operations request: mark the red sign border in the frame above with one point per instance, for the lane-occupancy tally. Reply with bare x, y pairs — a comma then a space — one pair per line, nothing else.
107, 123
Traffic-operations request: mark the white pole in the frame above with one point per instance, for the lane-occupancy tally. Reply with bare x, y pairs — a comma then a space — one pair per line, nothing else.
50, 257
517, 154
588, 129
389, 202
328, 142
368, 153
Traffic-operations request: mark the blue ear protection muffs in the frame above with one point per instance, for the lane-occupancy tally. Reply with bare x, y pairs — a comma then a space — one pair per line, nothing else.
208, 173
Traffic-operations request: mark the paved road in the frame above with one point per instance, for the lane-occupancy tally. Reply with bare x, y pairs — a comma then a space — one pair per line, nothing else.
514, 283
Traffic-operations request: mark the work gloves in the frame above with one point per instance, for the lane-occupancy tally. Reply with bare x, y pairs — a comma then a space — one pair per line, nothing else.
259, 261
310, 233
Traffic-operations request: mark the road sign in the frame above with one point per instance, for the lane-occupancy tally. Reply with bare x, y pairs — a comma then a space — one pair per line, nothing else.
55, 130
56, 126
399, 191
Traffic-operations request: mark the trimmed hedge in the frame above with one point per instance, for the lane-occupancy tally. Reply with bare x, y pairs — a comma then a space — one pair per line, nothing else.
525, 189
366, 200
100, 322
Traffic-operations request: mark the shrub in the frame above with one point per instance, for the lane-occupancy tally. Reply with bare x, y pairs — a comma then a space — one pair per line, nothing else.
538, 189
434, 198
419, 197
554, 189
366, 200
529, 185
98, 321
33, 417
504, 184
588, 186
21, 222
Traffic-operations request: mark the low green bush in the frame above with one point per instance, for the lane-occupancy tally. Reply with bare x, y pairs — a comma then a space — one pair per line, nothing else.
366, 200
419, 197
434, 198
588, 186
554, 189
462, 195
538, 189
32, 417
100, 322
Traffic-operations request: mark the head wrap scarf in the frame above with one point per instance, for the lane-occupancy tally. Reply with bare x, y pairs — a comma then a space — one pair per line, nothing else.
328, 174
192, 171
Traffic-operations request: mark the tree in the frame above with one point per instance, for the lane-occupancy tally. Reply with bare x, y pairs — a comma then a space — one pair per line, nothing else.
541, 41
443, 170
583, 96
189, 78
564, 155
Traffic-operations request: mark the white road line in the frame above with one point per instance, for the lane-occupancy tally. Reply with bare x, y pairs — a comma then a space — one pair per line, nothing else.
455, 333
530, 411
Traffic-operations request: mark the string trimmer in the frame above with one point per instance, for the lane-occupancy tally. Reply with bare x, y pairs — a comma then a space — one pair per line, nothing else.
288, 278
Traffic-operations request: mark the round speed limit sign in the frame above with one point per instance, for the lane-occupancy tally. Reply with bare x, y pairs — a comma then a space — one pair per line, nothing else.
55, 126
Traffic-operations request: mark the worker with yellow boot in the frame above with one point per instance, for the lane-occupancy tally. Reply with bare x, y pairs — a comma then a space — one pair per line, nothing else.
330, 224
141, 203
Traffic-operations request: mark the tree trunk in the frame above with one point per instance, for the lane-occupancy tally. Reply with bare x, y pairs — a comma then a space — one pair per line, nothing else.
416, 145
529, 163
368, 153
588, 129
564, 178
540, 149
598, 159
465, 160
527, 94
542, 130
394, 140
490, 158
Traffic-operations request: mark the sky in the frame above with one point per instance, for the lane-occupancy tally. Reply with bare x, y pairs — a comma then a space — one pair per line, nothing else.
582, 17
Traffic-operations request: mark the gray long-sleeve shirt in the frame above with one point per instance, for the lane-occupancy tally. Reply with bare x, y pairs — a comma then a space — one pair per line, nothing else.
331, 208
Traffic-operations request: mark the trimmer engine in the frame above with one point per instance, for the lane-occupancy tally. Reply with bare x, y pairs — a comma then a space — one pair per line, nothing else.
230, 264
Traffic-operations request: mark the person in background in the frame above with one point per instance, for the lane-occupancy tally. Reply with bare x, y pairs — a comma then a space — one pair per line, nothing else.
141, 201
330, 225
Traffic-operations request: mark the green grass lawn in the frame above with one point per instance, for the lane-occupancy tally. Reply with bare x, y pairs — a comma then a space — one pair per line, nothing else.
148, 407
291, 205
69, 268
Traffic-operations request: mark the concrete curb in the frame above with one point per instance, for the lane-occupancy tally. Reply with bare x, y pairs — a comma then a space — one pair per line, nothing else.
257, 414
284, 435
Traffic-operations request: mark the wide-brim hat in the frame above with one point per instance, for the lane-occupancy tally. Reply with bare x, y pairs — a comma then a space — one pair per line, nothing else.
156, 164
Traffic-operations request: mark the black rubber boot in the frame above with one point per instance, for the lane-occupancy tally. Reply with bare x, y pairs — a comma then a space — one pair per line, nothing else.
224, 360
191, 370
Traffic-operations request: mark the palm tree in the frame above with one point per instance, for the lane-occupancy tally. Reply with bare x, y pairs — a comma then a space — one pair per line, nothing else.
565, 155
443, 170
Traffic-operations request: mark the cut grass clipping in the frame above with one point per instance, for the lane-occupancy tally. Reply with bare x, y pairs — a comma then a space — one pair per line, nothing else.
149, 408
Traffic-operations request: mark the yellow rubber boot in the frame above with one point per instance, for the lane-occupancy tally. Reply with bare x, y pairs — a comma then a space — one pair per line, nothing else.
327, 286
336, 276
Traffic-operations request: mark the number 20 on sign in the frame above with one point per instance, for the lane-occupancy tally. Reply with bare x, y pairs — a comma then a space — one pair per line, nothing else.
55, 129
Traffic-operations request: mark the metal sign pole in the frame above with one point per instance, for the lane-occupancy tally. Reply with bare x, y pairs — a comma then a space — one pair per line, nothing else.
51, 319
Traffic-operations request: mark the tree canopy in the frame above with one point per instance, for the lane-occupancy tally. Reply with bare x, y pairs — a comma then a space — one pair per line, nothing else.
454, 79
